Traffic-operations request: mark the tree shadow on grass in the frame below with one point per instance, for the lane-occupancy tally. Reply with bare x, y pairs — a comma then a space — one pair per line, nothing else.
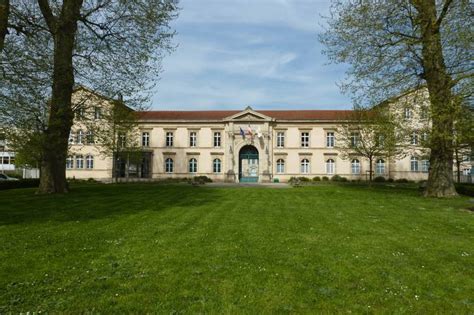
97, 201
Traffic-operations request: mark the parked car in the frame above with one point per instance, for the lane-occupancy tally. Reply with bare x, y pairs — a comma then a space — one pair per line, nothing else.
6, 177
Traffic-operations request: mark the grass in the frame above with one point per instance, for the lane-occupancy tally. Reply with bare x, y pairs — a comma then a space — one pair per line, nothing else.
140, 248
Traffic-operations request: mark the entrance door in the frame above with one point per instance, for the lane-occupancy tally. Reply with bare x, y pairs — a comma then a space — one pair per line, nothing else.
248, 164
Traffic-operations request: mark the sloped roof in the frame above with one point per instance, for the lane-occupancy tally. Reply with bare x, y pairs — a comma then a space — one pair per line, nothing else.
221, 114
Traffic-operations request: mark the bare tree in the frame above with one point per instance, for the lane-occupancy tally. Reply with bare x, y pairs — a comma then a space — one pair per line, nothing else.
110, 46
397, 45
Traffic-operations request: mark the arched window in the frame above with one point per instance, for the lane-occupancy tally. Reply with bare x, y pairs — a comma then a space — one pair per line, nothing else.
380, 167
305, 166
355, 166
425, 166
414, 164
330, 167
280, 166
69, 162
79, 161
89, 162
216, 166
80, 137
193, 165
169, 165
71, 138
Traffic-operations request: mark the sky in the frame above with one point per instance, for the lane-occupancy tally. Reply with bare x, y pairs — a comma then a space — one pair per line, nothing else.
265, 54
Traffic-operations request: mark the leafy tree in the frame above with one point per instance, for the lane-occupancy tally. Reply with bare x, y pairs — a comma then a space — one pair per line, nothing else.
110, 46
393, 46
370, 134
463, 136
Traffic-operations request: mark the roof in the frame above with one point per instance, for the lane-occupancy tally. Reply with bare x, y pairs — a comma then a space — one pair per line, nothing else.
222, 114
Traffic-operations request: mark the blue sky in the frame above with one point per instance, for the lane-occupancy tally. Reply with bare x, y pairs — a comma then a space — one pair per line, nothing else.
262, 53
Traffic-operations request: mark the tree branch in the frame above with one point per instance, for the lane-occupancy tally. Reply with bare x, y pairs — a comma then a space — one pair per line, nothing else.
4, 13
48, 15
443, 13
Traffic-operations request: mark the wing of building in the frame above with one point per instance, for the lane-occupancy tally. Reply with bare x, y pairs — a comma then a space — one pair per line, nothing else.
244, 145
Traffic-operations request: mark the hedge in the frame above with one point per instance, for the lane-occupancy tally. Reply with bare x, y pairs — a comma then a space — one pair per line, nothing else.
465, 189
22, 183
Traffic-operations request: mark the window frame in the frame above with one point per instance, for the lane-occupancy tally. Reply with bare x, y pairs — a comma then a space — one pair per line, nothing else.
414, 164
193, 166
79, 158
216, 166
169, 139
280, 166
89, 162
70, 162
330, 139
169, 165
305, 139
145, 139
380, 167
280, 139
217, 139
330, 166
355, 165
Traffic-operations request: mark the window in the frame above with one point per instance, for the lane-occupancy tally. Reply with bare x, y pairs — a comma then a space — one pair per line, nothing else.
122, 140
305, 166
81, 113
466, 158
217, 139
216, 166
193, 165
414, 164
355, 166
69, 162
380, 140
71, 138
280, 139
425, 166
354, 139
330, 166
169, 165
192, 139
97, 113
89, 162
408, 113
79, 161
425, 137
414, 138
330, 139
169, 139
145, 139
424, 113
80, 137
90, 137
280, 166
466, 171
305, 139
380, 167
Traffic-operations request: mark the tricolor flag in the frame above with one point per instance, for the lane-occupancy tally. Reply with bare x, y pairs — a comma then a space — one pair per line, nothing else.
242, 133
249, 131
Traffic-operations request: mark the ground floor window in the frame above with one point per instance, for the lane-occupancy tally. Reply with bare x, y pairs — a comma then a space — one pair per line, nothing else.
305, 166
193, 165
79, 161
425, 166
330, 167
380, 167
414, 164
169, 165
89, 162
280, 166
355, 166
466, 171
216, 166
69, 162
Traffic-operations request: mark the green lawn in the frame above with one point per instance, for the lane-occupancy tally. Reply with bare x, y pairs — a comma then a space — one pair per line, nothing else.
184, 249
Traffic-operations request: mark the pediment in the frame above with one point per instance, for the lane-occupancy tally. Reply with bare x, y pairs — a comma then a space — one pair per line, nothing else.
248, 115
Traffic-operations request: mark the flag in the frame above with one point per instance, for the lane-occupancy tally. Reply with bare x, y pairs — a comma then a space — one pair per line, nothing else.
249, 131
259, 133
242, 133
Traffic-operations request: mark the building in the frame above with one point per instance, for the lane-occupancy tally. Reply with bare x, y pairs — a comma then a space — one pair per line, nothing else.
234, 146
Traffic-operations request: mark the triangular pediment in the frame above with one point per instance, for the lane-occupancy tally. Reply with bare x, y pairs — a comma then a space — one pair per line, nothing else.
248, 115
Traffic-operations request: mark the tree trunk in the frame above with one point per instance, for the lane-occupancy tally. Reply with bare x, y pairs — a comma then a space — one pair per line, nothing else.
370, 169
55, 147
458, 165
440, 178
4, 13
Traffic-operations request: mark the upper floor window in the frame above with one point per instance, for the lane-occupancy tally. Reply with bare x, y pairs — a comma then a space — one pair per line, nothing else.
90, 137
192, 139
69, 162
424, 114
305, 139
122, 140
330, 139
408, 113
80, 137
97, 113
414, 164
216, 166
169, 165
280, 166
81, 113
145, 139
380, 140
169, 139
193, 165
425, 166
330, 167
355, 166
89, 162
414, 138
217, 139
425, 137
280, 139
79, 161
380, 166
355, 139
71, 138
305, 166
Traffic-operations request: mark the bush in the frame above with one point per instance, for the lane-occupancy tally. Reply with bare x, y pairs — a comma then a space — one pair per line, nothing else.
465, 189
304, 179
379, 179
316, 179
325, 178
338, 178
276, 180
343, 179
202, 179
402, 180
390, 180
23, 183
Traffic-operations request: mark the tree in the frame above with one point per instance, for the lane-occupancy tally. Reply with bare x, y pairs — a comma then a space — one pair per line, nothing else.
110, 46
370, 134
463, 136
393, 46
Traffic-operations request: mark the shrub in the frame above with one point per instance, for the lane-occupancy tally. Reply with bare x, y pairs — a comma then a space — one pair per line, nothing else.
465, 189
316, 179
23, 183
336, 178
343, 179
325, 178
402, 180
202, 179
304, 179
276, 180
390, 180
379, 179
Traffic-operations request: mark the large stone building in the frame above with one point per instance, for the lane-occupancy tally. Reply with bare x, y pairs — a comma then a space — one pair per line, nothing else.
235, 146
